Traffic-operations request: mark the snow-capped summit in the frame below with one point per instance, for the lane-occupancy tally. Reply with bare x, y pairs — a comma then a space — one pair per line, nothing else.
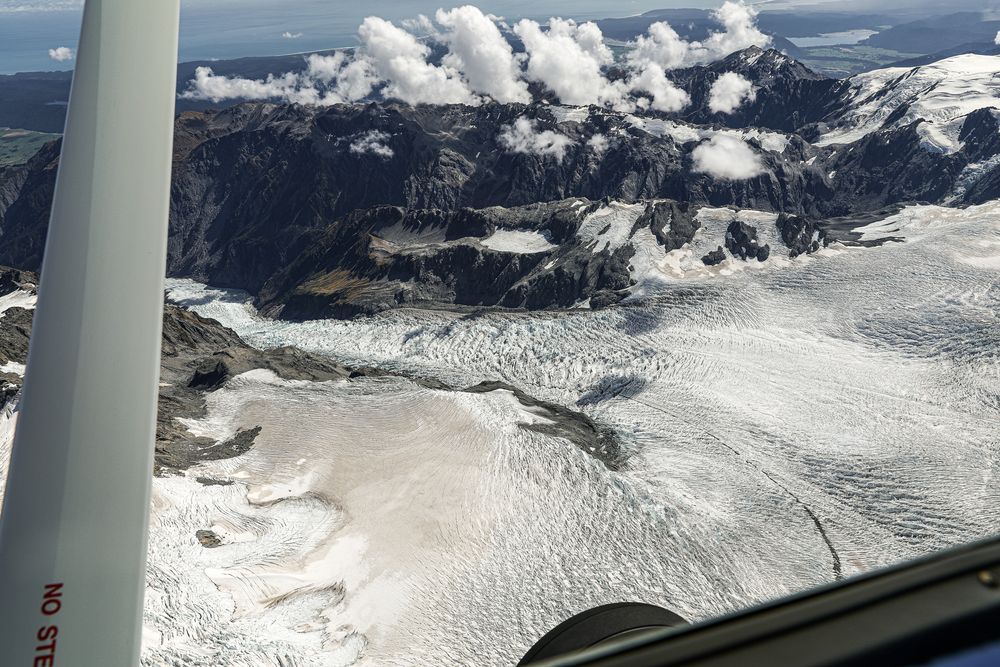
939, 96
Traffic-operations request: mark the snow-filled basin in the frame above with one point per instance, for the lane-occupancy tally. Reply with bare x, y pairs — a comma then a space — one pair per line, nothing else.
519, 241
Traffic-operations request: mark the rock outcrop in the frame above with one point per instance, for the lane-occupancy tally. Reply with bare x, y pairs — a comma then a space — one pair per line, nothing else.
715, 257
741, 240
800, 235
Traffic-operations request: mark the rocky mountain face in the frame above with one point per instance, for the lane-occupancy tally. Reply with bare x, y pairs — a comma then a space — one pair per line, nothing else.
348, 210
25, 200
789, 95
534, 256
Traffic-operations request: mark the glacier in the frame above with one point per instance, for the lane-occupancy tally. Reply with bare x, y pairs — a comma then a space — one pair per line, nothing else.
939, 96
785, 426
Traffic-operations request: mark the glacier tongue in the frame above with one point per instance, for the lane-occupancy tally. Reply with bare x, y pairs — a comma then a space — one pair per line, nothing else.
783, 426
409, 525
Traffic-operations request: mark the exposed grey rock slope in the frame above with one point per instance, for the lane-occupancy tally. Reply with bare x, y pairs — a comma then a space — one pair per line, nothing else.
348, 210
788, 95
390, 256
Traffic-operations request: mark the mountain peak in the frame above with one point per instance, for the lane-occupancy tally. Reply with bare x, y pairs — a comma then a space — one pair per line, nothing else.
756, 63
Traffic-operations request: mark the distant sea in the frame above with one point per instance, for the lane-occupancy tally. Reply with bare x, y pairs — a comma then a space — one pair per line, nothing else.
223, 29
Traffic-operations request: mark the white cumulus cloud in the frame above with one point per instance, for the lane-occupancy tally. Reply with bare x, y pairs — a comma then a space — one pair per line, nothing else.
326, 68
400, 59
343, 79
422, 26
727, 158
599, 144
741, 32
661, 45
478, 50
729, 92
208, 86
525, 137
568, 59
291, 35
571, 59
61, 54
475, 63
666, 96
373, 142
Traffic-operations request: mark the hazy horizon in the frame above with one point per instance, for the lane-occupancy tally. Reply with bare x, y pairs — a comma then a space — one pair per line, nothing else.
214, 29
210, 29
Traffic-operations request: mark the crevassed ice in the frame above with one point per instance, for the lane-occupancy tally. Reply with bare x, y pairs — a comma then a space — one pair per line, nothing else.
856, 387
941, 94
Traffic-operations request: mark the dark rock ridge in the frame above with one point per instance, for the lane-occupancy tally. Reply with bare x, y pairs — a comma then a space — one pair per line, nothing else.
279, 200
199, 354
981, 137
844, 229
386, 257
257, 187
208, 539
15, 279
892, 166
672, 224
25, 200
574, 426
789, 95
26, 98
15, 328
195, 348
714, 257
190, 344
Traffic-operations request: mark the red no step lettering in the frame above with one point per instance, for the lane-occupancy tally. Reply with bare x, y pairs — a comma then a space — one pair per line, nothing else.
45, 651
